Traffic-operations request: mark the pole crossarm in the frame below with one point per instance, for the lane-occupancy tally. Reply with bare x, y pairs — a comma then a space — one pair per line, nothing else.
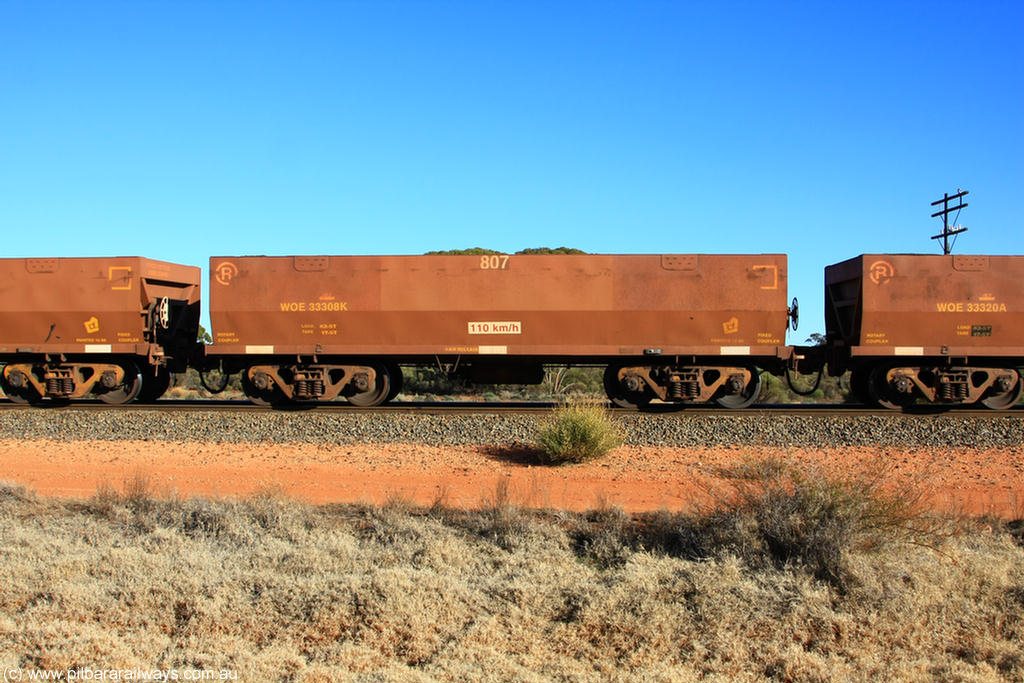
946, 210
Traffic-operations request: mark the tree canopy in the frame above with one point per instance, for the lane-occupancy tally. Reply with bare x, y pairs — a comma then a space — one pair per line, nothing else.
476, 251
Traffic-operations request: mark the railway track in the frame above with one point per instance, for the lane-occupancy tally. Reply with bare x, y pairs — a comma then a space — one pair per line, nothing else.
442, 408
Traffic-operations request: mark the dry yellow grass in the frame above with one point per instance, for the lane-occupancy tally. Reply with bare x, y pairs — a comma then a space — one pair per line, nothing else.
275, 590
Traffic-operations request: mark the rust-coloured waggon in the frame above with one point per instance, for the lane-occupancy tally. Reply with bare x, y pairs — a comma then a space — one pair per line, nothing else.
948, 329
111, 327
669, 327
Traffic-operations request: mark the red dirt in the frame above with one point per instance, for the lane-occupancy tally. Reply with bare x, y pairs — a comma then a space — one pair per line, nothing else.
633, 478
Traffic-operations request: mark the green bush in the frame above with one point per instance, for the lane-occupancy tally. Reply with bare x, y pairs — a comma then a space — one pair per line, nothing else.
576, 432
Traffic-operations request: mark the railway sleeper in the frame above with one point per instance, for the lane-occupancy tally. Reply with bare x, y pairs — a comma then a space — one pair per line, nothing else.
729, 386
899, 386
322, 382
32, 382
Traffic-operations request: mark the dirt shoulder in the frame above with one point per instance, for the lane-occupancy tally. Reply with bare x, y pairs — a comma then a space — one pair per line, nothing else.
635, 478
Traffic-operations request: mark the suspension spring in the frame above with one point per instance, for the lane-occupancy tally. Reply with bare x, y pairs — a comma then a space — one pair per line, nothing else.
953, 387
309, 388
683, 388
676, 389
59, 386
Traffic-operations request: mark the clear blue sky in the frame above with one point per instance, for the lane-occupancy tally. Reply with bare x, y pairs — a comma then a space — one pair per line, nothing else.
180, 130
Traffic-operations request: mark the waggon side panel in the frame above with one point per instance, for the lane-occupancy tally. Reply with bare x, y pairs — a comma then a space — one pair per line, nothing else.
560, 305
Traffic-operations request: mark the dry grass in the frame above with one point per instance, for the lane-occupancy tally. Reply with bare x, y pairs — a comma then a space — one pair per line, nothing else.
775, 511
280, 591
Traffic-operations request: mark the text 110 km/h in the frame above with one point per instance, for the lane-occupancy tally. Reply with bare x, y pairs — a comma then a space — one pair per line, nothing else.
504, 327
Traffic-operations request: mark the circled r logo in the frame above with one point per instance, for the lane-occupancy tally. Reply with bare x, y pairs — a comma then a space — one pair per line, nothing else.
224, 272
881, 272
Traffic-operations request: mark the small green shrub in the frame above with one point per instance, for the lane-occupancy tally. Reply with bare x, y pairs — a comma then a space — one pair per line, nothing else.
576, 432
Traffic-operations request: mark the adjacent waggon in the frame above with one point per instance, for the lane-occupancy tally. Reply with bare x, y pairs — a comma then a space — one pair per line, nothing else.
944, 329
114, 328
672, 328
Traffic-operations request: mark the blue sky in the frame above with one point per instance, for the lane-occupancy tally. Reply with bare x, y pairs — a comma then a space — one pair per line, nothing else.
180, 130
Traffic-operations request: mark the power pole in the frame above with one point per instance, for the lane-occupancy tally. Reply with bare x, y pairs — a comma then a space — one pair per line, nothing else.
946, 210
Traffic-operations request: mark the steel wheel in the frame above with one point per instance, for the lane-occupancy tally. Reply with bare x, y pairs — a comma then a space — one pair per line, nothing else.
23, 394
618, 395
1006, 399
883, 393
261, 397
859, 381
155, 386
396, 379
376, 394
128, 389
746, 397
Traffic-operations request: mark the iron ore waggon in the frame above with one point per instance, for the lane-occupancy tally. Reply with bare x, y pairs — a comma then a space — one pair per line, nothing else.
679, 327
676, 328
114, 328
947, 329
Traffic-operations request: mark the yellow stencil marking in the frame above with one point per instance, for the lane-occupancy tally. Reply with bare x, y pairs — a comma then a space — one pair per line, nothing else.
881, 272
225, 272
124, 275
775, 275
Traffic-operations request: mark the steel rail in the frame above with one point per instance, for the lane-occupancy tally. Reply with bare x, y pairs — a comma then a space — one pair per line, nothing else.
513, 408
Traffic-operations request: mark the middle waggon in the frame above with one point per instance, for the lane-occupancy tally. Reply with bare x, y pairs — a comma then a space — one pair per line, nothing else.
674, 327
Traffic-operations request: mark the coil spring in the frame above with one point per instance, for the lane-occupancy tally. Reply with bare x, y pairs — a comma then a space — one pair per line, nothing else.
60, 386
680, 389
309, 388
954, 389
675, 389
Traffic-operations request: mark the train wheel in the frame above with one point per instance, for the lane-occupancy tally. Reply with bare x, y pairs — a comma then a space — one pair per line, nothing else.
268, 396
859, 381
746, 397
376, 394
1006, 399
397, 380
128, 389
20, 390
884, 393
155, 386
618, 394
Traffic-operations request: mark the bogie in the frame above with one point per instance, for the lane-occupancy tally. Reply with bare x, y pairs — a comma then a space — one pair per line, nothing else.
898, 386
111, 382
362, 384
731, 387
